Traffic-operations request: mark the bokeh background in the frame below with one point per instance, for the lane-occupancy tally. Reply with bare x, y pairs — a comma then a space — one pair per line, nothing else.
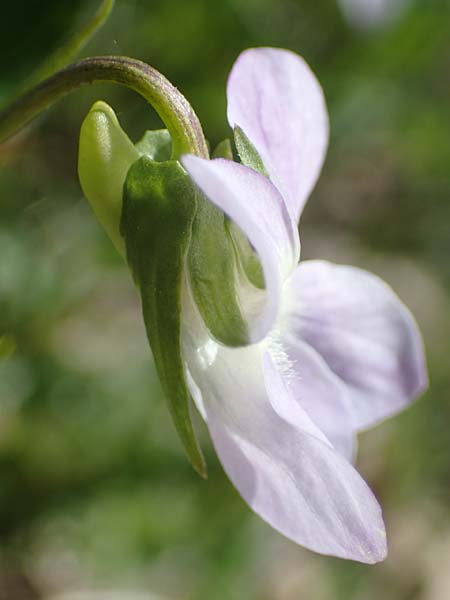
96, 498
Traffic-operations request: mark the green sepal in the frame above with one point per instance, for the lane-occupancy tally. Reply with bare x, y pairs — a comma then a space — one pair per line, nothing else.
104, 157
223, 150
247, 152
157, 145
248, 258
159, 204
213, 275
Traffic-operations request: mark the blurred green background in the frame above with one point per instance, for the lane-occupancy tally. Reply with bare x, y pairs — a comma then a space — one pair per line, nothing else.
96, 498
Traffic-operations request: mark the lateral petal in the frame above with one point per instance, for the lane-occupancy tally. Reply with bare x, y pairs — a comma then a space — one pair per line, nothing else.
364, 333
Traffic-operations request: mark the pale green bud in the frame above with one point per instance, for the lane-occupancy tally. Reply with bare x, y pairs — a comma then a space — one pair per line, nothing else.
105, 155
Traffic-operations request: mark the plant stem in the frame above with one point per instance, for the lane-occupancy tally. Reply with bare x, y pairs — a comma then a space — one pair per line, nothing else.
169, 103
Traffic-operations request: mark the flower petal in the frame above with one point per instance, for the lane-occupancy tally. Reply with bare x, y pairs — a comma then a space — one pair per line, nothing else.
364, 333
256, 206
317, 390
289, 475
274, 97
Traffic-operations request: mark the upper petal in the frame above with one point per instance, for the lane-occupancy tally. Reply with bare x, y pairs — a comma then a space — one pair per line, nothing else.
254, 204
285, 468
364, 333
277, 101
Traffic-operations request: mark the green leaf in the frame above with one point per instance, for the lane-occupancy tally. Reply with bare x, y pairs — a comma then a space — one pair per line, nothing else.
213, 275
159, 205
157, 145
104, 157
247, 152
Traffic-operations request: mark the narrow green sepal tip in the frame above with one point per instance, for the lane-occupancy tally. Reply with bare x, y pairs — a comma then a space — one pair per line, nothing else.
247, 151
247, 257
223, 150
159, 205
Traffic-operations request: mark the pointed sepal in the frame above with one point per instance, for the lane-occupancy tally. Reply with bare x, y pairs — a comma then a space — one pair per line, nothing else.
156, 144
159, 205
223, 150
247, 257
247, 152
213, 275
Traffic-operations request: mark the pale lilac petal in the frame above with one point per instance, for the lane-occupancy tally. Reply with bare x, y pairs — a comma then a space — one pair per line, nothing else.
289, 475
256, 206
317, 391
364, 333
277, 101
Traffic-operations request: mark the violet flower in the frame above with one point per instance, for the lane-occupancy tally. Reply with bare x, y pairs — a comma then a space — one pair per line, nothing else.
333, 352
286, 362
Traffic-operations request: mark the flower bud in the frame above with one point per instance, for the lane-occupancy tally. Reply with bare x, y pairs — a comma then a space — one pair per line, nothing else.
105, 155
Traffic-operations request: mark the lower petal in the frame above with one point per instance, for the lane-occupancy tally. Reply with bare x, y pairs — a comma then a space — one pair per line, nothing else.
289, 474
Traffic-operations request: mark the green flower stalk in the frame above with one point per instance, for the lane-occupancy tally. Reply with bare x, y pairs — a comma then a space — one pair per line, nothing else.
174, 110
